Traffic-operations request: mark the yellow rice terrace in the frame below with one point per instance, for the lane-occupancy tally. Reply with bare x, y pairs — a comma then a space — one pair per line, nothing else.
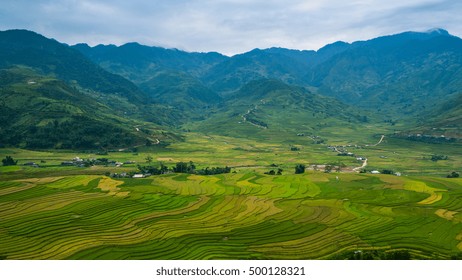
231, 216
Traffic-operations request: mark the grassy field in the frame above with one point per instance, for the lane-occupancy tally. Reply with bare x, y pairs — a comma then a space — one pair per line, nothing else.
57, 212
250, 154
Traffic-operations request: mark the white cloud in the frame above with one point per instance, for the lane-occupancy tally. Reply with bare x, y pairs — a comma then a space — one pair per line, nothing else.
228, 26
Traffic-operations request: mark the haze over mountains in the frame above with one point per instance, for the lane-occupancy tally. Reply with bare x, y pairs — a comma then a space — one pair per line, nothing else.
47, 86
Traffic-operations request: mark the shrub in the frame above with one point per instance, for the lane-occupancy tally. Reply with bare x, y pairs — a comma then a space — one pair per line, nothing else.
8, 160
439, 157
299, 169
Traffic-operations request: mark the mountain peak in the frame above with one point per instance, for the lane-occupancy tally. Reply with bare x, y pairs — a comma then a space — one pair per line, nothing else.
438, 31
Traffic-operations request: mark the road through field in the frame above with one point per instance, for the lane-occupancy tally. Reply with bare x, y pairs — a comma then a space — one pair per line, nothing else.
356, 169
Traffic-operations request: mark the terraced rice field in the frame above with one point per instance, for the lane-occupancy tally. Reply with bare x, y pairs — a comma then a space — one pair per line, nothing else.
231, 216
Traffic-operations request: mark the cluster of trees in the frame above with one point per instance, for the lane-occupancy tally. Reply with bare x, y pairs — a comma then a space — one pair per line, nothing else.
214, 170
457, 256
299, 168
252, 119
439, 157
272, 172
337, 167
376, 255
390, 121
79, 132
453, 175
98, 161
8, 160
162, 169
183, 167
429, 139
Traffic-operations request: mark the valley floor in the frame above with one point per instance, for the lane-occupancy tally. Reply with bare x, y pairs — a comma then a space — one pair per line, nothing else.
69, 212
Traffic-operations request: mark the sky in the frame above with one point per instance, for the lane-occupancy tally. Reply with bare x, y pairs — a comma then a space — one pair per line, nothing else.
227, 26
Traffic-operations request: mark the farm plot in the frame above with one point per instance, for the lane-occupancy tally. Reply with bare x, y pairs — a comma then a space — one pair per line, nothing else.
229, 216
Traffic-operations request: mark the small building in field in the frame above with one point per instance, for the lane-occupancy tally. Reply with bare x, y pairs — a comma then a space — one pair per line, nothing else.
33, 164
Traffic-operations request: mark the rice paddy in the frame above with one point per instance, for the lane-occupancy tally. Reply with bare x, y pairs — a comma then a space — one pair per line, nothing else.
70, 212
231, 216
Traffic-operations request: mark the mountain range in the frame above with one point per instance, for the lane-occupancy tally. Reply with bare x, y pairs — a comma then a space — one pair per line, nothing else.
58, 96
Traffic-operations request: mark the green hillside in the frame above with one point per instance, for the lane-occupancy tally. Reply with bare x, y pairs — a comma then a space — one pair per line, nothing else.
288, 66
133, 58
54, 97
49, 57
399, 75
44, 112
181, 91
440, 124
274, 111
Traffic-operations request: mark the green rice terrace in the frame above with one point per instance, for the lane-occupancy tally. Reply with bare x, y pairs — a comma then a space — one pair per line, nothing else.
231, 216
69, 212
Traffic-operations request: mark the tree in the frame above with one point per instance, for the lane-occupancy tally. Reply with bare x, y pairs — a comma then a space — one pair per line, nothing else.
149, 159
163, 168
191, 167
439, 157
271, 172
453, 175
299, 168
328, 169
8, 160
181, 167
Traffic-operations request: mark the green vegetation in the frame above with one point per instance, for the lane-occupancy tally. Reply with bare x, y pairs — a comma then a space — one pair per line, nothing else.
41, 112
230, 216
182, 167
376, 255
8, 161
78, 145
299, 168
439, 157
247, 214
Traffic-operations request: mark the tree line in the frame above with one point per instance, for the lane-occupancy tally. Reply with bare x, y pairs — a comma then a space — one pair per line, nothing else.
182, 167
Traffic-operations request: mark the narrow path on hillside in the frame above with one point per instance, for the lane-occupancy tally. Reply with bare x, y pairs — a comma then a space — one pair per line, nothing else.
249, 111
380, 141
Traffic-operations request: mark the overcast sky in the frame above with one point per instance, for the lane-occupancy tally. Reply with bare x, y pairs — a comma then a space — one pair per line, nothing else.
227, 26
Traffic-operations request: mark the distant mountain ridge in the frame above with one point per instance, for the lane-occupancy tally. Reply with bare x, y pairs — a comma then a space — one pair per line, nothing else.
399, 76
22, 47
52, 96
411, 77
